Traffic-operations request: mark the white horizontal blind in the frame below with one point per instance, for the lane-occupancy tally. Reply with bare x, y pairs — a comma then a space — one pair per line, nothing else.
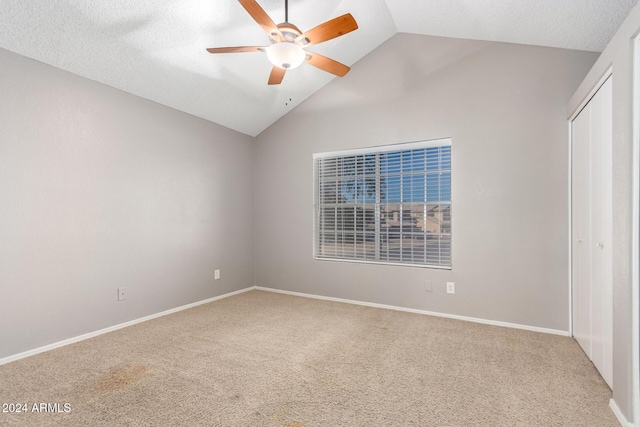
386, 204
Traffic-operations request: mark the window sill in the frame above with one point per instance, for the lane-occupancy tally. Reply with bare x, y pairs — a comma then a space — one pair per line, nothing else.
397, 264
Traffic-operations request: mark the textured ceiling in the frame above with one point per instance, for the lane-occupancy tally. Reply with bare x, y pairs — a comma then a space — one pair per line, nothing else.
156, 48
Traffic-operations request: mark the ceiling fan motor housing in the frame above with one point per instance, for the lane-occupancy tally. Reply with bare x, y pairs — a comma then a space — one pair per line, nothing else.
288, 33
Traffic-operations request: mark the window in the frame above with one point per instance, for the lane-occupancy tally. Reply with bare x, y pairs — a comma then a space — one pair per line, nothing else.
388, 205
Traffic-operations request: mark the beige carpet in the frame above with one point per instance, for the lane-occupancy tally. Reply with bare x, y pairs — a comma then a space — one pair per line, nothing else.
265, 359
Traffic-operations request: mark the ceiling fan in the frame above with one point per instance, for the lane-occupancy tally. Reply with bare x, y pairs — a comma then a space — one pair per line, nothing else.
288, 43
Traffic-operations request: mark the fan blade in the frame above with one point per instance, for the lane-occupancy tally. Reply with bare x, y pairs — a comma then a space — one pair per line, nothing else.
327, 64
235, 49
329, 30
277, 74
261, 17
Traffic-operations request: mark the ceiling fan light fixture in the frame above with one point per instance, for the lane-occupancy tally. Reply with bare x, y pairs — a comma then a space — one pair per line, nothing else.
286, 55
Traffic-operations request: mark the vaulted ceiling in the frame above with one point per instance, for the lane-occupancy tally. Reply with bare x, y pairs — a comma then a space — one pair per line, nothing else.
156, 48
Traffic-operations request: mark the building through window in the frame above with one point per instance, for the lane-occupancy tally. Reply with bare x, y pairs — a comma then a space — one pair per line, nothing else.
387, 204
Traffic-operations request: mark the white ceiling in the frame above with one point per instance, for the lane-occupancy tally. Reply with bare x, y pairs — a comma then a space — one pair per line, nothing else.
156, 48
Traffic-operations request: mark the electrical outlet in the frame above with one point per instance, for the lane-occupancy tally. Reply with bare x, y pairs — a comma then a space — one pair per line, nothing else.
217, 274
428, 286
122, 294
451, 288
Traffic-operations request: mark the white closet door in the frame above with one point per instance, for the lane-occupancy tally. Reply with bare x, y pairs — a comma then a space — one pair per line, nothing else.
581, 224
601, 222
591, 225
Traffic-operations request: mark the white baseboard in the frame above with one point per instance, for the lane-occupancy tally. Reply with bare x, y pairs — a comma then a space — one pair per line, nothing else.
68, 341
116, 327
619, 415
429, 313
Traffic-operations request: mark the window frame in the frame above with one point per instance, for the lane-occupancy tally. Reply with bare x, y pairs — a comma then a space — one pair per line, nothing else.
376, 150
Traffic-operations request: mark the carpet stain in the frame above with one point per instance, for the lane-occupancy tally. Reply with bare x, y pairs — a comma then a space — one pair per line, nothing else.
120, 378
514, 342
281, 416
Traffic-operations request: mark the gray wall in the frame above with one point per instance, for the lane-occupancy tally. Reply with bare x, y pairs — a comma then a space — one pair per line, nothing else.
504, 107
618, 55
101, 189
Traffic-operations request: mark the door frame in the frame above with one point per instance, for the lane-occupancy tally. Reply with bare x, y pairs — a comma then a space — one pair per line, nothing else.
635, 238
